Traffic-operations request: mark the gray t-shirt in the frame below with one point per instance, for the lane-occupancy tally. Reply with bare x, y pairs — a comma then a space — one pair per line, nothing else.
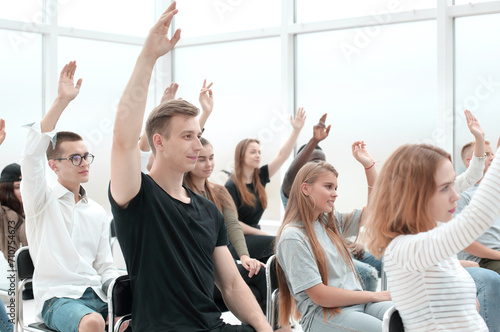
491, 238
296, 258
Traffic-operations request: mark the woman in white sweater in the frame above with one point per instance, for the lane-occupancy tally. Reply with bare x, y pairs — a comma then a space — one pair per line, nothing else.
413, 193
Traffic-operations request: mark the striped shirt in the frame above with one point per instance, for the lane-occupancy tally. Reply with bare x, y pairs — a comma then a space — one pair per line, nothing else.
428, 285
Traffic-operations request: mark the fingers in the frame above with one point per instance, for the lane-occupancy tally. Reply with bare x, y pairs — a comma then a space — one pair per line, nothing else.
175, 38
322, 120
328, 129
2, 124
79, 84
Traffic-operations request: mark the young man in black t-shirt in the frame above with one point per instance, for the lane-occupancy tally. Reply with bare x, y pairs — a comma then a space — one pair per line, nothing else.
174, 242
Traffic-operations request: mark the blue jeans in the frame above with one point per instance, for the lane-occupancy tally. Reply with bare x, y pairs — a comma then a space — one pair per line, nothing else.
5, 324
367, 275
362, 317
488, 293
65, 314
368, 258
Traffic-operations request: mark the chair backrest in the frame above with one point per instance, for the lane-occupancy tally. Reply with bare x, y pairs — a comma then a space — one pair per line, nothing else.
23, 263
272, 292
119, 300
392, 321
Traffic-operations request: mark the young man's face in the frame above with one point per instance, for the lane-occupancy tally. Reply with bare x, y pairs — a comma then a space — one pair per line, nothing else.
67, 173
182, 147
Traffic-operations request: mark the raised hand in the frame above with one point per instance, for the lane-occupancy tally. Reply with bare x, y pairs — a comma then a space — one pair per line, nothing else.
361, 154
206, 97
300, 119
320, 131
157, 42
473, 124
2, 131
67, 90
170, 92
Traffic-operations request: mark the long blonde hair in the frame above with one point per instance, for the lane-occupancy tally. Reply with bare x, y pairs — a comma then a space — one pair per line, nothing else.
399, 201
300, 208
238, 176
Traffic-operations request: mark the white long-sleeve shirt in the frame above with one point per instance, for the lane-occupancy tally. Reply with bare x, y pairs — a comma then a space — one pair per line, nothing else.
428, 285
69, 242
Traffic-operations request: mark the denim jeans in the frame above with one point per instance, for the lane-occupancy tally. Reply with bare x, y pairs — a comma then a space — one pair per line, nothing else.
368, 258
5, 324
362, 317
488, 293
367, 275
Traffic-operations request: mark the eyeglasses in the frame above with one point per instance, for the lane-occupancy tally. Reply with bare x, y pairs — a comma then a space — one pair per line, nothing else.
77, 159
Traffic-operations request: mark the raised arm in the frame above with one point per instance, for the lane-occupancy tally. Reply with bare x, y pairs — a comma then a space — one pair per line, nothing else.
320, 132
362, 155
477, 131
207, 103
170, 92
3, 133
66, 92
287, 148
125, 156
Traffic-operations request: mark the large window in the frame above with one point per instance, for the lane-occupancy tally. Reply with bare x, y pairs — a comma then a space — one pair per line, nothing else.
246, 77
374, 96
477, 79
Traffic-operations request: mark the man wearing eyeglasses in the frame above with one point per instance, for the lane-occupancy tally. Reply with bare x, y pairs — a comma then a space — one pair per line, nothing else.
68, 232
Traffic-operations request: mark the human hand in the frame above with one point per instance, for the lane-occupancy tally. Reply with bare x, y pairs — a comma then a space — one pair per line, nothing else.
206, 98
67, 90
474, 126
320, 131
465, 263
300, 119
381, 296
170, 92
157, 42
251, 265
3, 133
361, 154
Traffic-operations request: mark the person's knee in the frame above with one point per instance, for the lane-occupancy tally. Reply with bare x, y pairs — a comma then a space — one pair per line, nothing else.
92, 322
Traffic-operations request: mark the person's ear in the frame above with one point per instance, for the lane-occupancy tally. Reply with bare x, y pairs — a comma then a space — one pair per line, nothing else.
304, 187
53, 165
158, 142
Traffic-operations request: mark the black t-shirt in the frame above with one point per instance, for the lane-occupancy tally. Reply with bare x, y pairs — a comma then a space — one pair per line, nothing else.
168, 247
249, 215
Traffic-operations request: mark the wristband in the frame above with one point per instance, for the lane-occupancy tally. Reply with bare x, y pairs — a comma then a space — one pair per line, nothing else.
367, 168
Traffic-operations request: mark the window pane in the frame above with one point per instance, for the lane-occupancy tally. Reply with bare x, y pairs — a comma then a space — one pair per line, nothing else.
105, 69
246, 101
322, 10
202, 17
477, 79
127, 17
21, 96
384, 94
466, 2
26, 10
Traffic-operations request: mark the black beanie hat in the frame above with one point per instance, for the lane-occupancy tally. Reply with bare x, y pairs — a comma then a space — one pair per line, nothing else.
11, 173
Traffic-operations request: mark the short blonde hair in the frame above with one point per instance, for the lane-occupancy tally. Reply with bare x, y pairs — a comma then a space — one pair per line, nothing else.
159, 120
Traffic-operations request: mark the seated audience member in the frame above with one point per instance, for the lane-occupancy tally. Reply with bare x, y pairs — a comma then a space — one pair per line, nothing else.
155, 214
487, 281
11, 177
316, 274
247, 187
197, 181
368, 268
415, 191
67, 231
486, 249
